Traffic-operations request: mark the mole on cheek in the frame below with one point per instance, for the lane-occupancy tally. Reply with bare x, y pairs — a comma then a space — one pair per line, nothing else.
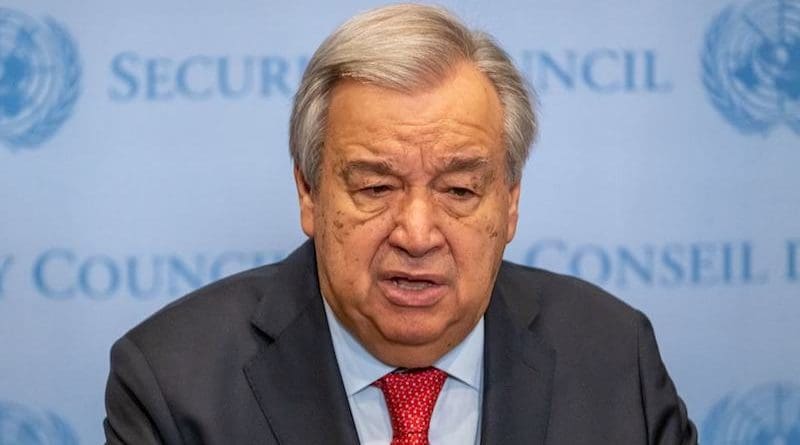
492, 231
340, 232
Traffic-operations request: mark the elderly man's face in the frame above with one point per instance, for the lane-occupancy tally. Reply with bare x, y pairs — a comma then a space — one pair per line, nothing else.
412, 213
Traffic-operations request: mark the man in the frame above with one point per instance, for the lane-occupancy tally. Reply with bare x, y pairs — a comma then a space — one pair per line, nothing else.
398, 322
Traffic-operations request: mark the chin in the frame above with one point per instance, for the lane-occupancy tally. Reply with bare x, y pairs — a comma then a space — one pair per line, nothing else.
418, 334
412, 338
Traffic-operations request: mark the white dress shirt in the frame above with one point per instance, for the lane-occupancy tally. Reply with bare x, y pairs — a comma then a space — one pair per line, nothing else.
457, 414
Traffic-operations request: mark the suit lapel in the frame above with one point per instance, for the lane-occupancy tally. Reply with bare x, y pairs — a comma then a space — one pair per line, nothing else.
295, 377
518, 371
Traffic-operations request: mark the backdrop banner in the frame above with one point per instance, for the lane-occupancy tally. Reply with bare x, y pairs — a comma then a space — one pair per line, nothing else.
143, 153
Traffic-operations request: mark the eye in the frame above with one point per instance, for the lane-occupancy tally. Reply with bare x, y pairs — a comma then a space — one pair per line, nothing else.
376, 191
460, 192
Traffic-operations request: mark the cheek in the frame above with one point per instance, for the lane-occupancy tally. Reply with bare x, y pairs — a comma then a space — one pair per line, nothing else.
491, 230
487, 226
352, 238
336, 225
351, 229
496, 220
477, 244
331, 218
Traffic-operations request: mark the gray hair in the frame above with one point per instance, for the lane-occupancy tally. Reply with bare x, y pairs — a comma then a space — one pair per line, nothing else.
406, 47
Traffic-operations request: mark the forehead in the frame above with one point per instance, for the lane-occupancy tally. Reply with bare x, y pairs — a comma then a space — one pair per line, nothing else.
461, 111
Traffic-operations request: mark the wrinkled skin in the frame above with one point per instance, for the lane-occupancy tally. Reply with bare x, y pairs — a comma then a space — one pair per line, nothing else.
411, 213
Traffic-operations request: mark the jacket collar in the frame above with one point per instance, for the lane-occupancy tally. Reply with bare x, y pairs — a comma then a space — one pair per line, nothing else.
518, 367
294, 377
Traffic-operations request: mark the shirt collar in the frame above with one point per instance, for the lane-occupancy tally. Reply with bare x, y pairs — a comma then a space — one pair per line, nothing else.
360, 369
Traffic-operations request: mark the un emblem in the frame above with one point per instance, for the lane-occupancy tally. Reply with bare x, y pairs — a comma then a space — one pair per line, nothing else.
39, 78
751, 65
21, 426
767, 415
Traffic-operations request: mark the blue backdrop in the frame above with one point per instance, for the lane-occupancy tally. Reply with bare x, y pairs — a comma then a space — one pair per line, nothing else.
143, 153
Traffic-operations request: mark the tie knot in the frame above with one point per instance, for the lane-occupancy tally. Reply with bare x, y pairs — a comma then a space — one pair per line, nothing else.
410, 397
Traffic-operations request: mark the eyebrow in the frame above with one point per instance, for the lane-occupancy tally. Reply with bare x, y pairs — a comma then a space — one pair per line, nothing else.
452, 165
460, 163
351, 168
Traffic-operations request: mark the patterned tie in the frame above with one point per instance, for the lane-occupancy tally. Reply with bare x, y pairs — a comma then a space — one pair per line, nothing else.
410, 397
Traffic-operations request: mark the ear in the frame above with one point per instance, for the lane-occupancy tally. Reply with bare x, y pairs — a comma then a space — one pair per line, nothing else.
306, 198
513, 211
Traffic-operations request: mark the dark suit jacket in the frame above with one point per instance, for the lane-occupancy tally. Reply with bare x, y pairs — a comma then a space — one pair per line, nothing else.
249, 360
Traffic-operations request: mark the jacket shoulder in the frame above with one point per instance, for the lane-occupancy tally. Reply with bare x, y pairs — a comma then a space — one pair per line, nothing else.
205, 316
566, 304
225, 308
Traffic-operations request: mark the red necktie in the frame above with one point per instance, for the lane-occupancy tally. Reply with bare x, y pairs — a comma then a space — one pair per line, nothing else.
410, 397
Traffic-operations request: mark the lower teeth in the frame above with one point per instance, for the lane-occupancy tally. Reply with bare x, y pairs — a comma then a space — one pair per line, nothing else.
411, 285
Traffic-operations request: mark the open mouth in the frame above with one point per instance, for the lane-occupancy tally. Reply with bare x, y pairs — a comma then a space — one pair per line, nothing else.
412, 284
413, 290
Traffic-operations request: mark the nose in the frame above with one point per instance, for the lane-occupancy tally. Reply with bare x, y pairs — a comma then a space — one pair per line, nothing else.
416, 231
